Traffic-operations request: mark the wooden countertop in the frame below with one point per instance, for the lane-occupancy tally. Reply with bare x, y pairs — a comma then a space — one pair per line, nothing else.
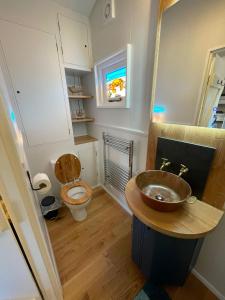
191, 221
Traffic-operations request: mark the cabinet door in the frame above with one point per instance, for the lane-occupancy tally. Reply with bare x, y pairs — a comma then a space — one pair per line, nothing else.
88, 158
74, 39
16, 279
33, 63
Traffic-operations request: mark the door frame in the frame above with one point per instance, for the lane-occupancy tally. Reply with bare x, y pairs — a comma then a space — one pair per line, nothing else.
13, 181
204, 81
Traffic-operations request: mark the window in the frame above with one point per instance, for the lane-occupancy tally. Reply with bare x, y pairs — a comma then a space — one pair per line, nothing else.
116, 84
112, 78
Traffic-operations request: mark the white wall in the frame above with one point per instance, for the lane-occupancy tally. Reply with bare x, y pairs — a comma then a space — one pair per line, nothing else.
189, 29
41, 15
139, 159
135, 23
211, 261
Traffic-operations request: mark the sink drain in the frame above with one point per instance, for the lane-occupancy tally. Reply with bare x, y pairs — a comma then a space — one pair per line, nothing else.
159, 197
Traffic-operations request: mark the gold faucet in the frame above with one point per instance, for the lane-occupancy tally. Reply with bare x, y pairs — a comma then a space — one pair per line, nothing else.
183, 170
165, 163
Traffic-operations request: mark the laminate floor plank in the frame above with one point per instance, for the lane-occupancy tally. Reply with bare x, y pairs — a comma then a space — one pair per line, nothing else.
94, 256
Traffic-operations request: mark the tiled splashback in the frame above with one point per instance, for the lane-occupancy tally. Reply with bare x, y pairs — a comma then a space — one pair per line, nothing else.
197, 158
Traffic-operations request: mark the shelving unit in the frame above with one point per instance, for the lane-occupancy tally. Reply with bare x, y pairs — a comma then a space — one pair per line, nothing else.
83, 120
78, 105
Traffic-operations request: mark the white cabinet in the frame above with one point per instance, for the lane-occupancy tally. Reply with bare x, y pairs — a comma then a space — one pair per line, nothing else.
87, 154
33, 64
75, 43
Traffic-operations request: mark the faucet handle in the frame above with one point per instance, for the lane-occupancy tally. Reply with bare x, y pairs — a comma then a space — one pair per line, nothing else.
183, 169
165, 163
164, 159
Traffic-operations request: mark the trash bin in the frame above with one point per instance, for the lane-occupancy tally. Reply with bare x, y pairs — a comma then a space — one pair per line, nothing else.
49, 207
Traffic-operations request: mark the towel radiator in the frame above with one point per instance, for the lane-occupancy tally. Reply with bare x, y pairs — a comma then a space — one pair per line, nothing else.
117, 175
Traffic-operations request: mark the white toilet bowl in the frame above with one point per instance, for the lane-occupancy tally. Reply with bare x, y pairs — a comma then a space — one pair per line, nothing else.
78, 211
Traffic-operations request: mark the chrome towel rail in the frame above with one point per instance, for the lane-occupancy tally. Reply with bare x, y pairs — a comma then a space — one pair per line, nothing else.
116, 175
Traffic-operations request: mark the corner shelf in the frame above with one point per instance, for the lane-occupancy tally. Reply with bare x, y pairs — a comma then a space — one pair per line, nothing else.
83, 120
83, 139
80, 97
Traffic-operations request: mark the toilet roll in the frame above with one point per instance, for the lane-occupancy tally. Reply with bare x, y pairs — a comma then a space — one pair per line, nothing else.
39, 179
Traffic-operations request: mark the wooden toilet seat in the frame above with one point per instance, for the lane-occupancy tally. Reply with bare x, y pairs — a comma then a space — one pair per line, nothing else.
67, 170
87, 194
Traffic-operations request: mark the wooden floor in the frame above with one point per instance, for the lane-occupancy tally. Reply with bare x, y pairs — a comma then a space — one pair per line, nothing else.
94, 256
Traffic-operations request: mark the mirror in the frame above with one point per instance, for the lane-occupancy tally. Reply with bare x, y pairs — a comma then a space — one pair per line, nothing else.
190, 72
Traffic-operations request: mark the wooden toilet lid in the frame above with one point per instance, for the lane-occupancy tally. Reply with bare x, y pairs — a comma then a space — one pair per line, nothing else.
67, 168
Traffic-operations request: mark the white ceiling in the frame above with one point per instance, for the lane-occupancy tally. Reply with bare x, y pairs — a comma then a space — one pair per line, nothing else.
83, 7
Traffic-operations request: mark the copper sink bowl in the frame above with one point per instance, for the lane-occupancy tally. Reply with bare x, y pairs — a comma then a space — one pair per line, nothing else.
162, 190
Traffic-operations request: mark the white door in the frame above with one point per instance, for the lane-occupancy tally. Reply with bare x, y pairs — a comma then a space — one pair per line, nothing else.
20, 203
33, 63
75, 46
16, 281
88, 157
214, 89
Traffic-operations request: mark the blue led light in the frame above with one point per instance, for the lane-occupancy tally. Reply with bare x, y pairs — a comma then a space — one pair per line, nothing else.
159, 109
12, 117
116, 74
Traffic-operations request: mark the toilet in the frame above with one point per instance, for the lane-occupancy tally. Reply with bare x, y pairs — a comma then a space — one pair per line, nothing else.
75, 193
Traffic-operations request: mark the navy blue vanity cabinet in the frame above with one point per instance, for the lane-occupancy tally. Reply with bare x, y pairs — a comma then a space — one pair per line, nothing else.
161, 258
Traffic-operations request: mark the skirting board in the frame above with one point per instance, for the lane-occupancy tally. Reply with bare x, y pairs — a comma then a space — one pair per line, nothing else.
95, 186
194, 271
208, 285
116, 199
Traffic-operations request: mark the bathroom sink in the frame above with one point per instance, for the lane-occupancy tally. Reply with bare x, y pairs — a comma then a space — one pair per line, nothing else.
162, 190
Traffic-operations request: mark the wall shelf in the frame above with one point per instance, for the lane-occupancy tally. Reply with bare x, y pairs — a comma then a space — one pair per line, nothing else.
80, 97
222, 102
83, 139
83, 120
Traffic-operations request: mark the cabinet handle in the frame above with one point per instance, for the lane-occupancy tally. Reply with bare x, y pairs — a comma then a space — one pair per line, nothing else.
85, 46
18, 92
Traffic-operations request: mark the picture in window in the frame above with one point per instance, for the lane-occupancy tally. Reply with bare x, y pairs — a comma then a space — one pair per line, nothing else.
116, 84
